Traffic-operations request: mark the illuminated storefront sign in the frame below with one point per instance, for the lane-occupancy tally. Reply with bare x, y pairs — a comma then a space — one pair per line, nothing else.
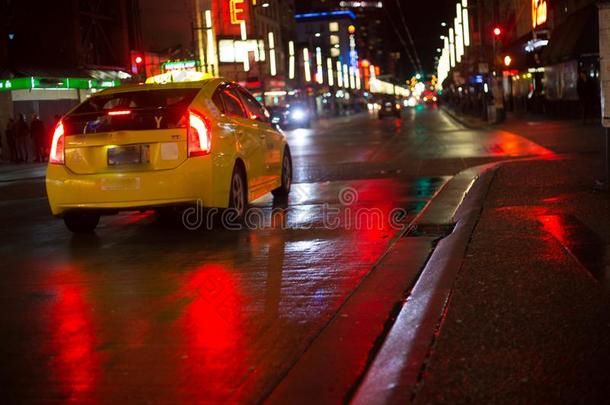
236, 11
178, 76
40, 83
235, 51
231, 15
539, 12
180, 65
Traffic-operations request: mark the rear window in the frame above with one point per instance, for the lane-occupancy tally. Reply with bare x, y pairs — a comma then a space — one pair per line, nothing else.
131, 111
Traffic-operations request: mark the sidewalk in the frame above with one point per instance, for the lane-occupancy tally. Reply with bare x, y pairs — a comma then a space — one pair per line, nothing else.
561, 136
26, 171
528, 318
513, 306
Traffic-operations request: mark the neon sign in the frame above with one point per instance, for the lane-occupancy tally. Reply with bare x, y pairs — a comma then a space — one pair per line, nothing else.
539, 12
230, 16
180, 65
237, 11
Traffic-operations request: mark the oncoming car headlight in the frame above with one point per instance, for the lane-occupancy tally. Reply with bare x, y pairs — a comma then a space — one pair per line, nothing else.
298, 114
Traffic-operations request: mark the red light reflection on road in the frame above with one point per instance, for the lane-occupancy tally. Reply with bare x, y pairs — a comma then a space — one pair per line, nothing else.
75, 362
134, 217
508, 144
212, 325
554, 225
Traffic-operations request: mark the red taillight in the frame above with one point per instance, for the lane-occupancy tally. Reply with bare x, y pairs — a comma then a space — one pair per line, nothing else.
119, 112
199, 135
57, 145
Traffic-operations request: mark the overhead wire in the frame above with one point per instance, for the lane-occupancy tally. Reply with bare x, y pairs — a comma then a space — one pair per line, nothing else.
409, 36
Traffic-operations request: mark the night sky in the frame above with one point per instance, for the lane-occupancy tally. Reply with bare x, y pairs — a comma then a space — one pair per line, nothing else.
424, 19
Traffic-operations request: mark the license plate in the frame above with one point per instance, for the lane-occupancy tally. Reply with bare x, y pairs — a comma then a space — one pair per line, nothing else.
120, 184
128, 155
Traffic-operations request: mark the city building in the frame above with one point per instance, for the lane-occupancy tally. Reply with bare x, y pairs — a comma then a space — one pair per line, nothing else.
521, 55
376, 39
245, 41
329, 62
85, 48
255, 45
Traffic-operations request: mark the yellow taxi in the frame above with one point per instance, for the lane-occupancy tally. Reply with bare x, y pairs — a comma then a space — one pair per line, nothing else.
154, 146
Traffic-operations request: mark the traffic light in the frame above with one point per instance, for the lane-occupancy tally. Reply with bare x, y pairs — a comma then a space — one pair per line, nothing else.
508, 60
497, 31
137, 62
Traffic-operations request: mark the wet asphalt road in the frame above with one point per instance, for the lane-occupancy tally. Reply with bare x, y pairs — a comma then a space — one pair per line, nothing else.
143, 312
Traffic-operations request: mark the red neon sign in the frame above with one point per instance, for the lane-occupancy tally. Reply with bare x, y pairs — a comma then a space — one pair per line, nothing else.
230, 14
236, 11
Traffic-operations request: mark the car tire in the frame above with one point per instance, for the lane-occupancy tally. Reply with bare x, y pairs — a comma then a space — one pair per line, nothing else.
81, 222
284, 189
238, 195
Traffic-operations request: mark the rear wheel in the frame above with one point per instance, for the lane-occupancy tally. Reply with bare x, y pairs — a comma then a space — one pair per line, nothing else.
284, 189
238, 198
81, 222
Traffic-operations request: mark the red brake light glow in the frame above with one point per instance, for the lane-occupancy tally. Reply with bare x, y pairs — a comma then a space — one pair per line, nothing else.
57, 145
199, 135
119, 112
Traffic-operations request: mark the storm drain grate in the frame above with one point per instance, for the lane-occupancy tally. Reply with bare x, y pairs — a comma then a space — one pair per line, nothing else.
434, 230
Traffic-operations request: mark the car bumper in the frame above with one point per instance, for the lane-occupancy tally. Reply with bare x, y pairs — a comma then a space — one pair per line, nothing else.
186, 184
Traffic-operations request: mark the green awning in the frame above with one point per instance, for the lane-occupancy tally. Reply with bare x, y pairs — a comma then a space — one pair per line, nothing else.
54, 83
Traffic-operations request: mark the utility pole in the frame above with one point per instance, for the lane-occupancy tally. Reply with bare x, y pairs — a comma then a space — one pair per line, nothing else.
604, 79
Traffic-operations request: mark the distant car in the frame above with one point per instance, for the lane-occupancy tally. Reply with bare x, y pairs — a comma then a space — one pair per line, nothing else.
299, 115
279, 115
295, 115
429, 98
390, 107
156, 146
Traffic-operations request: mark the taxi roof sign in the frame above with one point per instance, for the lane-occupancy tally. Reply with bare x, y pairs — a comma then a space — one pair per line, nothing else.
178, 76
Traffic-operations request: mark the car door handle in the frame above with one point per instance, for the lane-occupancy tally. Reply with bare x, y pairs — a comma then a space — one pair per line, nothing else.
262, 136
229, 126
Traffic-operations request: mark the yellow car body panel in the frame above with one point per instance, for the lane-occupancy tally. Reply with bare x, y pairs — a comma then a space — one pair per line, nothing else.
88, 182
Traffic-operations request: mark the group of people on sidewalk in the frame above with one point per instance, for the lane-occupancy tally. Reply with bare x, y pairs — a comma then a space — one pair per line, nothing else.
27, 142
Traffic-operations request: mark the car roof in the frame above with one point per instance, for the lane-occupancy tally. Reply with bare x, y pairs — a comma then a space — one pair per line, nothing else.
214, 82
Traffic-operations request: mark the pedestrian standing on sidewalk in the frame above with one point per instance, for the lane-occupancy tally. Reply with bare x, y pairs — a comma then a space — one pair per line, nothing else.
10, 139
38, 136
592, 94
22, 136
582, 88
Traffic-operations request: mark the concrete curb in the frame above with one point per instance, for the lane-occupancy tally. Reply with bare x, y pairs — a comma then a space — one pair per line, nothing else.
15, 172
465, 122
394, 373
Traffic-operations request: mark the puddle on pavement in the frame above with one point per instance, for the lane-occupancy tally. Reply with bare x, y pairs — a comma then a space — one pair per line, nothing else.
580, 241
